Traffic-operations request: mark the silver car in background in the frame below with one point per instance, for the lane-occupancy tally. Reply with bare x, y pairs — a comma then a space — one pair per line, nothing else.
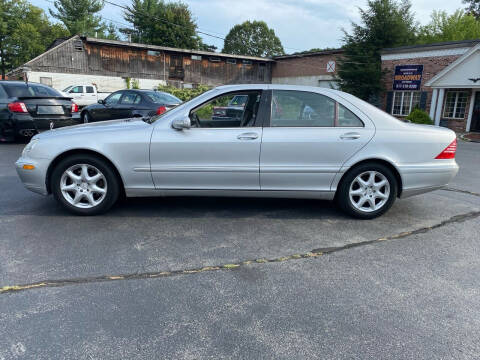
290, 142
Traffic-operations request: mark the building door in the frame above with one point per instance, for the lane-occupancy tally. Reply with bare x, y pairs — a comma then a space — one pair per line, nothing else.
475, 125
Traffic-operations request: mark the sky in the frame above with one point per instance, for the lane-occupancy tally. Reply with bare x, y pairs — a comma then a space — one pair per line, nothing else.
300, 24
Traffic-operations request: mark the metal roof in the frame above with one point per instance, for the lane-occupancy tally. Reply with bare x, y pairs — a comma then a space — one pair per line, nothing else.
434, 46
177, 50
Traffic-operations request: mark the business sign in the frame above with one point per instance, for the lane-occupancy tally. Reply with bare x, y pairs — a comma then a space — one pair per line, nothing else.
407, 77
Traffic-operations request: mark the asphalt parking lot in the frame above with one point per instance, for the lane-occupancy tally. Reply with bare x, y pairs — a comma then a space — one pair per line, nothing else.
189, 278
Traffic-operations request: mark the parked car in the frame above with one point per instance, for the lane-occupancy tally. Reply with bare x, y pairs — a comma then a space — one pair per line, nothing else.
314, 143
130, 103
26, 109
232, 112
84, 95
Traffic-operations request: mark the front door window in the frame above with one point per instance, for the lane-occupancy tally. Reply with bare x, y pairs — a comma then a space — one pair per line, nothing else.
231, 110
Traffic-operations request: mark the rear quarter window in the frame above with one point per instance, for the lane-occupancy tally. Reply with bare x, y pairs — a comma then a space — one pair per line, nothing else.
30, 90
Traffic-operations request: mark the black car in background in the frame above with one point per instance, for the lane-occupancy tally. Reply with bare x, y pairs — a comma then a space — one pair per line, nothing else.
124, 104
29, 108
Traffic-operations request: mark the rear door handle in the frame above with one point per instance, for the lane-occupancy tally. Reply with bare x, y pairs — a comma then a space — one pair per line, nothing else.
247, 136
350, 136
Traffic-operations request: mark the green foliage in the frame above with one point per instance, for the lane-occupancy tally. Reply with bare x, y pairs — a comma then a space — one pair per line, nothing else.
79, 16
153, 21
135, 84
444, 27
419, 116
384, 24
184, 94
252, 38
473, 7
25, 32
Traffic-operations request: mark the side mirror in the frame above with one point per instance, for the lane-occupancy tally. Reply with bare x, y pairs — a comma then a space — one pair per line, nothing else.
101, 101
180, 124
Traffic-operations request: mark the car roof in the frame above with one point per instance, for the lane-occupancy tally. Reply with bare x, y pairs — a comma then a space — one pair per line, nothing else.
18, 82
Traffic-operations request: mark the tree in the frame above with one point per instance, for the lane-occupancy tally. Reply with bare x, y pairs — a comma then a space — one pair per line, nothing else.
79, 16
25, 32
384, 24
159, 23
252, 38
473, 7
444, 27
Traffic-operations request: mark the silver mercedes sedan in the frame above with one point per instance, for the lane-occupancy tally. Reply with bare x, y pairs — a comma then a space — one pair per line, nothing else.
245, 140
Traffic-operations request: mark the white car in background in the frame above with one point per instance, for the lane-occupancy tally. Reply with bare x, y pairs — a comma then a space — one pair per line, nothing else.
84, 95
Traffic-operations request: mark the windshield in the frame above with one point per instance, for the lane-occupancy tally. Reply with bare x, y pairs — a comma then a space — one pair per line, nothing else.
163, 98
30, 90
67, 88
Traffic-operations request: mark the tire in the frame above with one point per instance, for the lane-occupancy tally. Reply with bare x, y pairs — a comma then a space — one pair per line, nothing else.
86, 117
362, 199
92, 194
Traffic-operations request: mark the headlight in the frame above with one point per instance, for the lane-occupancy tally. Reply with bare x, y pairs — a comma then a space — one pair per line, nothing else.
29, 147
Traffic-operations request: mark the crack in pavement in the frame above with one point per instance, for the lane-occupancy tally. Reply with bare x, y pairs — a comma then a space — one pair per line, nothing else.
311, 254
461, 191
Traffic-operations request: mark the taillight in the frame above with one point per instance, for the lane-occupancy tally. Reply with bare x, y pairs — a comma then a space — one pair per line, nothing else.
74, 108
161, 110
449, 151
17, 107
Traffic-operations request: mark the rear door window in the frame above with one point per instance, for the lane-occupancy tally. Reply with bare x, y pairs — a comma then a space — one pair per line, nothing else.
90, 90
301, 109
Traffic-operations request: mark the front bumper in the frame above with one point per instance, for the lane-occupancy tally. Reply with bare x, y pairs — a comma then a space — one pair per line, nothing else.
34, 180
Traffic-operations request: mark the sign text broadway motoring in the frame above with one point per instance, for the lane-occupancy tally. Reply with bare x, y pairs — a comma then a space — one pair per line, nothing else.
407, 77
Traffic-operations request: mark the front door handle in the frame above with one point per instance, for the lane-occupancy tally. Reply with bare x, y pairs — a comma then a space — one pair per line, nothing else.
350, 136
247, 136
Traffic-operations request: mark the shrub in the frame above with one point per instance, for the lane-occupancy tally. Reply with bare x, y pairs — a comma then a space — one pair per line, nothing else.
184, 94
419, 116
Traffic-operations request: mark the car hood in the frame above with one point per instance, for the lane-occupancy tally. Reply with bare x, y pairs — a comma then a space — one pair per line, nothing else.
96, 127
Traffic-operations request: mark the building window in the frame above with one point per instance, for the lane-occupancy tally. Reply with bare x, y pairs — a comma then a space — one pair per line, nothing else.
231, 61
455, 104
404, 102
214, 59
46, 81
78, 45
153, 53
196, 57
247, 62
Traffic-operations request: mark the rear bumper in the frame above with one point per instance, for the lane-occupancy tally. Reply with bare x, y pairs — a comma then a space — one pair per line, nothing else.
421, 179
33, 180
26, 125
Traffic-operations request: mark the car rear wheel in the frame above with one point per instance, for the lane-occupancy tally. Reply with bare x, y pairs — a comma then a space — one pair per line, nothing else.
367, 191
85, 184
86, 117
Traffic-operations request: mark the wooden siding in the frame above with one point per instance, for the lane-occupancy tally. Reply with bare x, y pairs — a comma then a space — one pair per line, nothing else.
106, 60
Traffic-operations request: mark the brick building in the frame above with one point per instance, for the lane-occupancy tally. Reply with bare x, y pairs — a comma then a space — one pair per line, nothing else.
442, 78
316, 68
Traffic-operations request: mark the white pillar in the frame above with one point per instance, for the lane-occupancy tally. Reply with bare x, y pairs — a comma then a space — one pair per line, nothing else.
470, 110
438, 111
433, 103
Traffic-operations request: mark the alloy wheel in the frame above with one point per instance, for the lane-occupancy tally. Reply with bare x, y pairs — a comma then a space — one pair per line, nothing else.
369, 191
83, 186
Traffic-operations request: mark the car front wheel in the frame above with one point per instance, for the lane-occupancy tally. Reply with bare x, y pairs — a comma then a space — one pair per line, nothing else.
85, 184
367, 191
